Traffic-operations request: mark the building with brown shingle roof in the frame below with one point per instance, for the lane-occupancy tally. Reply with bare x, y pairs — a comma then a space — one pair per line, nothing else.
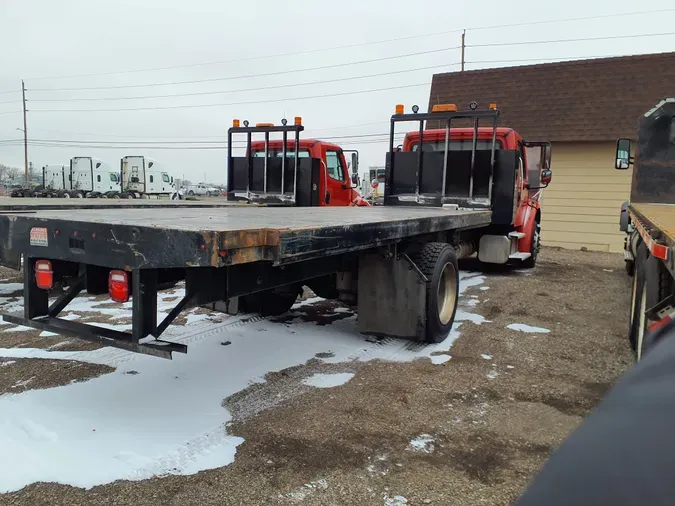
582, 107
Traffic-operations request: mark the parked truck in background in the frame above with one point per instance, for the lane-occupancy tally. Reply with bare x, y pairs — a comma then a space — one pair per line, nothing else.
145, 177
92, 178
202, 190
397, 262
372, 185
649, 222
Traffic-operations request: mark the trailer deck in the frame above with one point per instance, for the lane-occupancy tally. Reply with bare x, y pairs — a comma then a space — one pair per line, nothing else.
8, 204
660, 215
216, 237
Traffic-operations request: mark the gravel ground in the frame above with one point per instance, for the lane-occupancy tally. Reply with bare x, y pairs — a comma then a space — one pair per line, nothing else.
484, 422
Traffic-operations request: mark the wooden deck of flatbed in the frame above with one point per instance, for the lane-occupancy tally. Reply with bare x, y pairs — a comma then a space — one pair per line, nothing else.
662, 216
195, 237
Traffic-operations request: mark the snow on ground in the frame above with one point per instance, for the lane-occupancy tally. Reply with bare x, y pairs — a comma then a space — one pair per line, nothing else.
320, 380
521, 327
9, 288
423, 444
167, 417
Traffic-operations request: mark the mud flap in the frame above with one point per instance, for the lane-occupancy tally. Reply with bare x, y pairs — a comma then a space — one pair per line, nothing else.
391, 298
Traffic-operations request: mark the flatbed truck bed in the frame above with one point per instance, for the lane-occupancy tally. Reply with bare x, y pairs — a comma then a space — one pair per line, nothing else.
397, 263
216, 237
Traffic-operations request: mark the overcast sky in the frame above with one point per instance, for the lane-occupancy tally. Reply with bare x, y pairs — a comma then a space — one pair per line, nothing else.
43, 40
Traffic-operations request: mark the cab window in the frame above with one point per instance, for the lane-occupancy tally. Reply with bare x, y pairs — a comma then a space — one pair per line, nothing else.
334, 165
165, 178
113, 177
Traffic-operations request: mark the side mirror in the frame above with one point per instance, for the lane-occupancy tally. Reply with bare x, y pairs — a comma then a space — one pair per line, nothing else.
374, 183
546, 176
355, 179
355, 163
171, 179
623, 159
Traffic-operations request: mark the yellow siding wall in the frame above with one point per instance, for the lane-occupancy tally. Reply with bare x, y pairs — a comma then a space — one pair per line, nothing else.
581, 207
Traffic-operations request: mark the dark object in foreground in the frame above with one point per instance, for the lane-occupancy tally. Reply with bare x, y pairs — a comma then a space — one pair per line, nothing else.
624, 452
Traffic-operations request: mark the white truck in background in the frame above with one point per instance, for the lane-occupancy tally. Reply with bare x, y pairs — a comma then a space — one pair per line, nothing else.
55, 181
372, 185
202, 189
92, 178
144, 177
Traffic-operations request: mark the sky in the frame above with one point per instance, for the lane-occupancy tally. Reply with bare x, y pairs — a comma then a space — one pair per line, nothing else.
258, 60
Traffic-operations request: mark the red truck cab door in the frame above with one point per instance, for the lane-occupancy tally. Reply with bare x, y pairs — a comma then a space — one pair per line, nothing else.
338, 185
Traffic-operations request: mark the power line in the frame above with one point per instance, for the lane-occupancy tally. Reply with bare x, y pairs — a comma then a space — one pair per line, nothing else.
338, 127
613, 37
266, 74
265, 88
248, 102
360, 44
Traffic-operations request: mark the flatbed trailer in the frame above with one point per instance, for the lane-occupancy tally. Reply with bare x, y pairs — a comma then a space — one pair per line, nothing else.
649, 222
401, 256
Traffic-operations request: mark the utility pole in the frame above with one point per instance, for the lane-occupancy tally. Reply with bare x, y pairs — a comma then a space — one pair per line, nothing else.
25, 132
463, 48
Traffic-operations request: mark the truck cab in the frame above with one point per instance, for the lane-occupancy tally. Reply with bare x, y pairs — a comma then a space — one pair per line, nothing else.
479, 167
335, 179
91, 177
267, 171
142, 175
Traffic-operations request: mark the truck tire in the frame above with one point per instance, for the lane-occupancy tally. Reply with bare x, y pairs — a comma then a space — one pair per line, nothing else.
529, 263
438, 262
65, 195
78, 194
270, 302
636, 296
653, 284
191, 193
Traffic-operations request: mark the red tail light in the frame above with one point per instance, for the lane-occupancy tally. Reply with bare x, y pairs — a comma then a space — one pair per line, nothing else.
44, 275
118, 286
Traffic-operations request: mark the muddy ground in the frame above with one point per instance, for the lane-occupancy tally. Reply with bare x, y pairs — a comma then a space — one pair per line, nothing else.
490, 416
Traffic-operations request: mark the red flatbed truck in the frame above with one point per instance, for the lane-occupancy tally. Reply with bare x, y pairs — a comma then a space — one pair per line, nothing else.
402, 256
649, 221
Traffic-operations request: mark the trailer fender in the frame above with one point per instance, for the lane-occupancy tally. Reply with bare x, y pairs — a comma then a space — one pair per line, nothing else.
531, 216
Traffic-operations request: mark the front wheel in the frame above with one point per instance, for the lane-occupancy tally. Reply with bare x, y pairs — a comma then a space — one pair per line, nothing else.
535, 246
438, 262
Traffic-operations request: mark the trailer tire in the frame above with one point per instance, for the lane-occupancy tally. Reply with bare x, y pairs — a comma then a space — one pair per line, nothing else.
78, 195
438, 262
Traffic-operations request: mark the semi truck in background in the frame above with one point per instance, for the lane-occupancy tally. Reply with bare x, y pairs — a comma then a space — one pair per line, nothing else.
648, 220
92, 178
144, 177
87, 177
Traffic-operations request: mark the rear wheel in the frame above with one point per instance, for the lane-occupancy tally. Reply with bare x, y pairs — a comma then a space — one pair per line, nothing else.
270, 302
78, 195
438, 262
